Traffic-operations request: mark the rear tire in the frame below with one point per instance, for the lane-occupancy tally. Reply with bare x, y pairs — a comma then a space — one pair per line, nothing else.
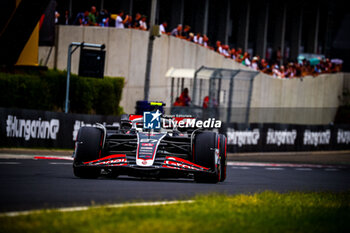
88, 148
204, 155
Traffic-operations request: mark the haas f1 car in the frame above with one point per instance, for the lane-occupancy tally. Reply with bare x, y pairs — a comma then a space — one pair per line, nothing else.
164, 153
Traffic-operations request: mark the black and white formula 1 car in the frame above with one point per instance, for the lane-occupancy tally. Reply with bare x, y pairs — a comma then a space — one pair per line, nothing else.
134, 151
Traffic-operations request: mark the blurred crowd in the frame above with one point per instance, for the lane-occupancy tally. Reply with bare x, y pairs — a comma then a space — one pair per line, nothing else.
103, 18
275, 66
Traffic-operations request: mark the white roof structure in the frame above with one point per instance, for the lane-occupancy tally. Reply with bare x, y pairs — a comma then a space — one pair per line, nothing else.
188, 73
180, 73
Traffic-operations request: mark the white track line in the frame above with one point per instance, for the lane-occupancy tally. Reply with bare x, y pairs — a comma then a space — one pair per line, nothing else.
55, 163
331, 170
274, 168
10, 163
81, 208
303, 169
293, 165
242, 168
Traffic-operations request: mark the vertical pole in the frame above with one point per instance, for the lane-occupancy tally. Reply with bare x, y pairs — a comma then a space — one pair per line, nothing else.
212, 87
218, 100
317, 28
206, 13
178, 92
102, 5
243, 29
219, 90
230, 96
313, 30
227, 28
261, 40
68, 77
267, 11
328, 33
150, 50
70, 8
172, 92
131, 6
195, 86
296, 33
200, 91
246, 29
283, 31
182, 6
249, 100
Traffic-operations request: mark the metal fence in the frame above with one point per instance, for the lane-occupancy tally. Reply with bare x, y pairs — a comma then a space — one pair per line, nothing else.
216, 92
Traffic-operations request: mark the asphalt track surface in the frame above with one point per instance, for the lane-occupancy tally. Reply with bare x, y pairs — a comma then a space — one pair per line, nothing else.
27, 184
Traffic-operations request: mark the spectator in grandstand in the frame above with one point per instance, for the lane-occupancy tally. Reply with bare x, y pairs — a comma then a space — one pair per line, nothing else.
328, 68
317, 69
264, 66
255, 65
226, 51
143, 24
282, 71
218, 47
337, 65
57, 16
323, 65
205, 41
186, 32
178, 102
297, 70
291, 71
246, 59
233, 54
198, 39
136, 24
239, 56
162, 27
206, 102
177, 32
119, 21
190, 37
82, 18
66, 20
92, 21
276, 71
306, 68
104, 18
185, 98
129, 22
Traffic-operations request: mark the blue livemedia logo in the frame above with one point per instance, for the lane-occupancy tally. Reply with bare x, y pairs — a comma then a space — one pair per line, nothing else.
151, 120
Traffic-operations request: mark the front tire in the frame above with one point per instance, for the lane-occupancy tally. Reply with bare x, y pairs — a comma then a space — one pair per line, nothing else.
88, 148
204, 154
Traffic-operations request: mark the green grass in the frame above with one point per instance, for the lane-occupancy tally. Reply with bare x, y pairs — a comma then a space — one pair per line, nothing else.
261, 212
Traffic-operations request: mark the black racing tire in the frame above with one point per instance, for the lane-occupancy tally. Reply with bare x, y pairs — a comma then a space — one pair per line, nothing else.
88, 148
223, 157
204, 155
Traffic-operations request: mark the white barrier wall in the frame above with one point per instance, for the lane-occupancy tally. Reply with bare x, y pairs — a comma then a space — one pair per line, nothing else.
126, 54
316, 97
